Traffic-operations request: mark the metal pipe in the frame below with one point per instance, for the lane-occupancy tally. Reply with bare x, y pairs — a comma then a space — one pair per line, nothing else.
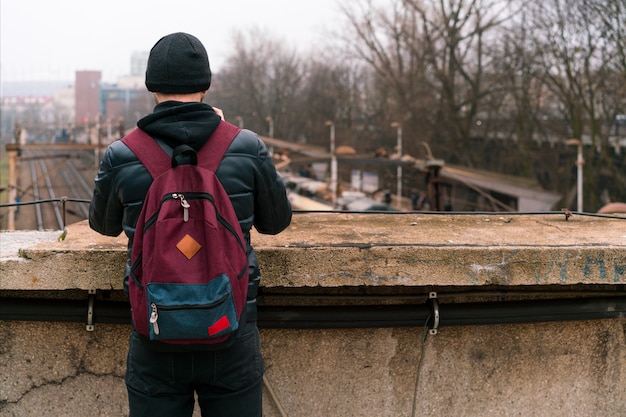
398, 127
13, 150
579, 172
366, 316
579, 178
333, 165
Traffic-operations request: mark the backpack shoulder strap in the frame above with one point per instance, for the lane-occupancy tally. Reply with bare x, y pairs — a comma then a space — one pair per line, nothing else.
211, 154
147, 151
156, 160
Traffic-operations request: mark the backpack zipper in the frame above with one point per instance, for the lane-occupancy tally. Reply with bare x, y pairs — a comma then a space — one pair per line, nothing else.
220, 218
184, 197
154, 315
184, 204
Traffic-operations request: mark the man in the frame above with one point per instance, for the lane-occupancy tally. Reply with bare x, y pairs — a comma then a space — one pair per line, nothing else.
162, 379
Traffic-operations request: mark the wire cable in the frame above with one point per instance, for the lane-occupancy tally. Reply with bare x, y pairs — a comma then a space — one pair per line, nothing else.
460, 213
49, 200
425, 331
281, 410
435, 213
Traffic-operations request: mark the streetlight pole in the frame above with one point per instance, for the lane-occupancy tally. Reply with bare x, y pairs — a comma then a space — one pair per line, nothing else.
399, 170
333, 164
271, 123
579, 172
13, 150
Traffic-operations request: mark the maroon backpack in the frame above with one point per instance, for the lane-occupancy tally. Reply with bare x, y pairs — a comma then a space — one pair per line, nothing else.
189, 267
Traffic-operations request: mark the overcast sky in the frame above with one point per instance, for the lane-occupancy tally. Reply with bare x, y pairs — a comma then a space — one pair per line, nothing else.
49, 40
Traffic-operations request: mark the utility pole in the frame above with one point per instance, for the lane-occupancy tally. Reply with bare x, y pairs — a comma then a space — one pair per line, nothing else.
579, 172
398, 126
271, 126
333, 164
13, 150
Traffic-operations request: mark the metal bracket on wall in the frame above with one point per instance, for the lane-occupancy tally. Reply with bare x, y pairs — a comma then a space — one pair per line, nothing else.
92, 299
432, 297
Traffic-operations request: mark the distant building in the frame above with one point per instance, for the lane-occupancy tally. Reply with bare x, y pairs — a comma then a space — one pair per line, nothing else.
22, 117
138, 64
131, 82
46, 110
65, 102
127, 100
87, 93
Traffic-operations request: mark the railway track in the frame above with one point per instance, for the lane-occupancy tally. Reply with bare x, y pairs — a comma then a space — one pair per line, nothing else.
52, 184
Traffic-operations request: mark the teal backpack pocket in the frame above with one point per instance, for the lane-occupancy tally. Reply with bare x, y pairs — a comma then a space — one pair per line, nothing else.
191, 311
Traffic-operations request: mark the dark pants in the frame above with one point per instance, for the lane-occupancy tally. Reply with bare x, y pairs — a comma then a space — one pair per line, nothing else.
228, 382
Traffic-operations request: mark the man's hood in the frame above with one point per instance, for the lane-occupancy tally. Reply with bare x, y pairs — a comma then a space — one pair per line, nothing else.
179, 123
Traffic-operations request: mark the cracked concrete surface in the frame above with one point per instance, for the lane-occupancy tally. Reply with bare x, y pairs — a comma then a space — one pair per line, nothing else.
546, 369
59, 369
561, 369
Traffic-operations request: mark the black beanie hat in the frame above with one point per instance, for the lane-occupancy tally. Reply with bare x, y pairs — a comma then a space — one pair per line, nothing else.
178, 64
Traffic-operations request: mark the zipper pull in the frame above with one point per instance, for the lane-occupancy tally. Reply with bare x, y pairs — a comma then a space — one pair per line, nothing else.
154, 317
185, 204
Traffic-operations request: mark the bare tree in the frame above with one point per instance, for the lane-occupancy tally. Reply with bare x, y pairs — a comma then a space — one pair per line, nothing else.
433, 57
457, 34
264, 79
259, 84
330, 94
473, 78
612, 14
515, 112
576, 46
389, 41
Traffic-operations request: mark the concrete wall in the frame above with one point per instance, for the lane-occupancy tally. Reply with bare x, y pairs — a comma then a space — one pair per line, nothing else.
567, 368
552, 369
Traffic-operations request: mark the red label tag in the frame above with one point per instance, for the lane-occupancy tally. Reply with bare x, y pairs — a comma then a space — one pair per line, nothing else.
222, 324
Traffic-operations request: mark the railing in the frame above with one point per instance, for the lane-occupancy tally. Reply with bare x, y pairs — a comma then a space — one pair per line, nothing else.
62, 200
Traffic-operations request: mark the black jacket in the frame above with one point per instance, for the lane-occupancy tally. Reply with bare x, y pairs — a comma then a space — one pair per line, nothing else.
246, 172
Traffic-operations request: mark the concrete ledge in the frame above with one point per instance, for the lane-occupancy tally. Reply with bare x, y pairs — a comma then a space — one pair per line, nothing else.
351, 250
558, 369
40, 261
